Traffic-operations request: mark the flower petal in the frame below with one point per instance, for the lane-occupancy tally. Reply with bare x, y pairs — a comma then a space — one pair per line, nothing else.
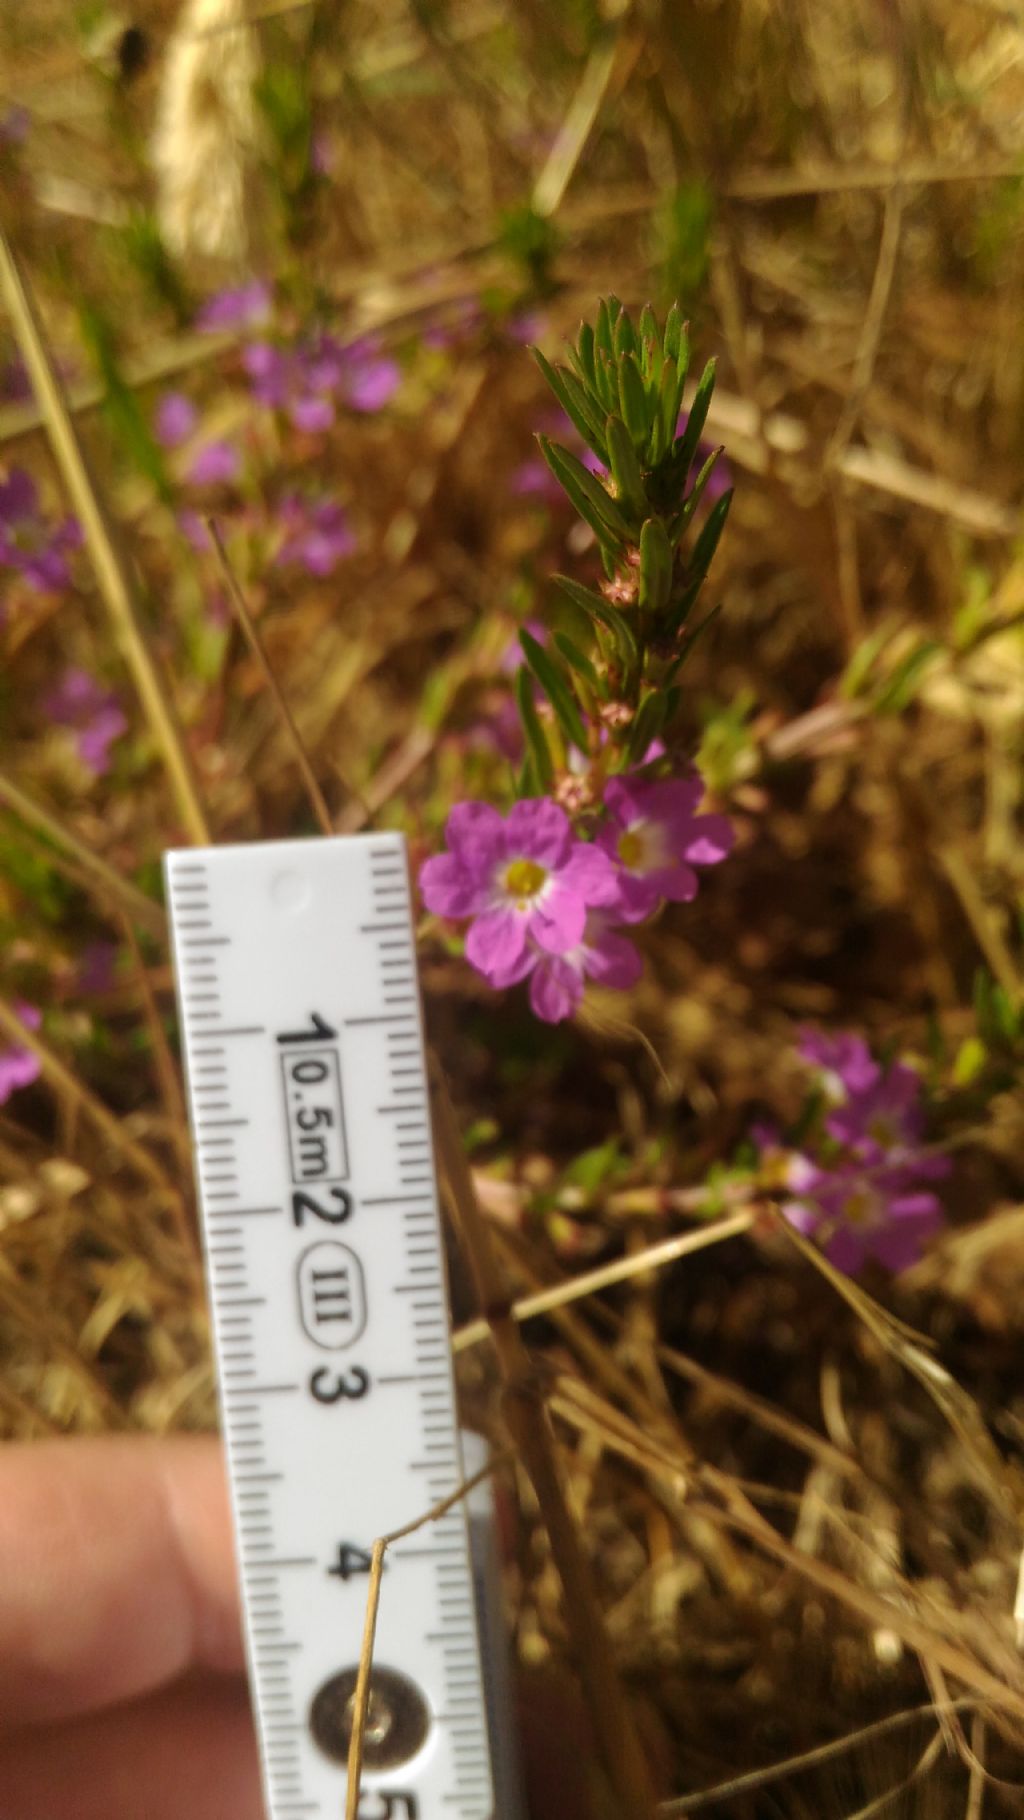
557, 922
711, 840
614, 961
678, 883
846, 1251
476, 834
590, 873
555, 990
448, 889
635, 899
495, 943
539, 829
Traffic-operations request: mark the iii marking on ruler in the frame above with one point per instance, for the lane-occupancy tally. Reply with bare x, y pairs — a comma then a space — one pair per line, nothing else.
306, 1078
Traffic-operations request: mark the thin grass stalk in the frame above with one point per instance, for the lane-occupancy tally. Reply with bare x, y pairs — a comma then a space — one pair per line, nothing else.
361, 1695
285, 715
84, 1100
111, 571
110, 885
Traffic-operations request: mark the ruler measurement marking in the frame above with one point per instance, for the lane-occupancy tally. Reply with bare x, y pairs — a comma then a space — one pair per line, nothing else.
391, 1017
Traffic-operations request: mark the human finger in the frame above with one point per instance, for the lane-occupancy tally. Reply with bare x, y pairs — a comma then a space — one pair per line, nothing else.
116, 1571
184, 1753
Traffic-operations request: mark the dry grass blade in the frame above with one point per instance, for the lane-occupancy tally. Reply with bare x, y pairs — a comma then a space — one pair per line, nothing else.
111, 887
111, 571
361, 1696
256, 646
654, 1257
805, 1760
80, 1096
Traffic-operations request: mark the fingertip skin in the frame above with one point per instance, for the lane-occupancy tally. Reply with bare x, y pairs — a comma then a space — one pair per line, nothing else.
185, 1753
117, 1571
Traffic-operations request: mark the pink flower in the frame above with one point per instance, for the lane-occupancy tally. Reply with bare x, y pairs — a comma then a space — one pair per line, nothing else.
525, 880
877, 1109
843, 1058
20, 1066
316, 536
867, 1199
371, 378
215, 464
176, 418
557, 980
656, 839
856, 1213
306, 379
27, 544
533, 479
93, 712
244, 306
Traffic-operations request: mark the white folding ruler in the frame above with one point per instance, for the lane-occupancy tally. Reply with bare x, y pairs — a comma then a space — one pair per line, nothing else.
299, 1001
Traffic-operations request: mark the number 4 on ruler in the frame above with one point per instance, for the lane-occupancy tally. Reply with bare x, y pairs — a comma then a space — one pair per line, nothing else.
351, 1560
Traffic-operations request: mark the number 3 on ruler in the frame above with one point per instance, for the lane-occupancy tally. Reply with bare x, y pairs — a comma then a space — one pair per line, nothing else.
327, 1387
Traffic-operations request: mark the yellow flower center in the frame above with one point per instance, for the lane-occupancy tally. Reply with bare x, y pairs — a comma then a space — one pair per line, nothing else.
523, 879
631, 848
859, 1209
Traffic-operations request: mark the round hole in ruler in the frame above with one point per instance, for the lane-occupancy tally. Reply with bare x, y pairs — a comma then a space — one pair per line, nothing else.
397, 1718
289, 890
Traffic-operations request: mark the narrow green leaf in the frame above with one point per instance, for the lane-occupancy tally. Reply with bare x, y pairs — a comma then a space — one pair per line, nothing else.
649, 325
536, 738
625, 336
585, 350
663, 428
647, 724
692, 501
625, 468
579, 661
606, 615
633, 401
575, 403
656, 562
690, 640
901, 687
686, 447
606, 381
707, 543
528, 783
556, 687
581, 485
675, 333
603, 342
701, 559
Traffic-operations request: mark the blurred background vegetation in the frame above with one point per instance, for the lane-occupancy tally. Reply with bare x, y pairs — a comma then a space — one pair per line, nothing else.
798, 1526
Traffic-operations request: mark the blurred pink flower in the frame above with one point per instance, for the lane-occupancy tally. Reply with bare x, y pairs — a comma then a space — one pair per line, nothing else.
28, 545
317, 536
92, 712
244, 306
176, 418
20, 1066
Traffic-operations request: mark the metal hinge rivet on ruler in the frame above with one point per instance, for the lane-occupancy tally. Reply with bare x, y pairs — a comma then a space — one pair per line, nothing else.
299, 1001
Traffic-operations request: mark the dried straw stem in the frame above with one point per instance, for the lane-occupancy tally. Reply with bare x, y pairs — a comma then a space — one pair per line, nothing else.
361, 1695
255, 643
527, 1420
94, 871
111, 570
111, 1128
